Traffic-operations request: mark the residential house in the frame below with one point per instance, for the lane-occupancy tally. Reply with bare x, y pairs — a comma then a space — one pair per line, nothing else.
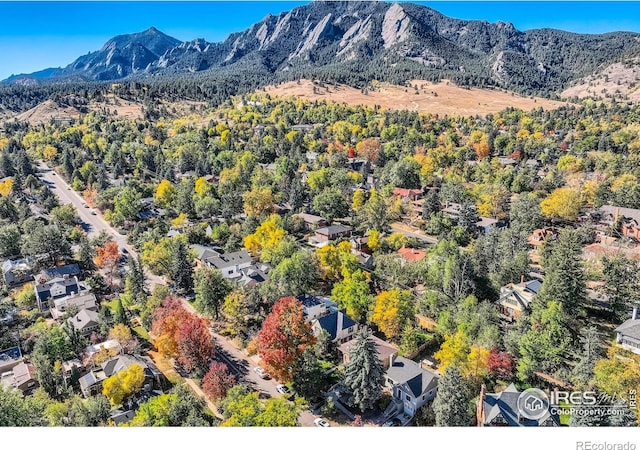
16, 272
411, 254
501, 410
66, 271
9, 358
315, 307
539, 235
384, 348
73, 367
411, 385
361, 244
85, 322
408, 194
486, 224
515, 299
84, 300
20, 377
326, 234
628, 334
311, 221
341, 328
229, 264
56, 289
91, 383
629, 220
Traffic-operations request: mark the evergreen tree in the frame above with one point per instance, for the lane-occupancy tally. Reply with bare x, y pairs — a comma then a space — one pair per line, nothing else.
565, 277
134, 282
451, 405
119, 314
181, 269
591, 353
468, 216
431, 204
364, 372
622, 283
86, 254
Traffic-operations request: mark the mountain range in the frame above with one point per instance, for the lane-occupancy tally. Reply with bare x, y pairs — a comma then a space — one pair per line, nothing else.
356, 42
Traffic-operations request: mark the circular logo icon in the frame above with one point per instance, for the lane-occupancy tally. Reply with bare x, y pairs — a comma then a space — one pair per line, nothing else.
533, 404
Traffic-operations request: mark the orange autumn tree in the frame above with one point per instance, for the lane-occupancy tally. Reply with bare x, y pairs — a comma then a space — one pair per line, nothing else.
107, 258
167, 319
283, 338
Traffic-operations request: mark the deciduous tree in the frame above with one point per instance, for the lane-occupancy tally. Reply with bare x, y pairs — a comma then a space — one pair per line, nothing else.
391, 310
194, 344
283, 338
451, 405
217, 381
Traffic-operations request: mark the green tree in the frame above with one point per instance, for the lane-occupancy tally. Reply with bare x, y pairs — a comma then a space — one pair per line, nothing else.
309, 380
331, 204
211, 289
451, 405
364, 374
294, 275
181, 267
10, 240
565, 277
591, 352
622, 283
353, 294
134, 281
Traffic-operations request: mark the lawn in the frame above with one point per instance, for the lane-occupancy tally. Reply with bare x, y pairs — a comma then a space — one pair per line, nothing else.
141, 332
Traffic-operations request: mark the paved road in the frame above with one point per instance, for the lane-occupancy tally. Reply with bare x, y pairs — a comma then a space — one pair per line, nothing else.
412, 232
227, 352
96, 222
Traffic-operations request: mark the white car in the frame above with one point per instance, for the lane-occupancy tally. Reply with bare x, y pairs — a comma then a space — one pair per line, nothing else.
320, 422
282, 389
261, 373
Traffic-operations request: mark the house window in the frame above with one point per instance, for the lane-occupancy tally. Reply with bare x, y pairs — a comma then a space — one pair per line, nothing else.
350, 330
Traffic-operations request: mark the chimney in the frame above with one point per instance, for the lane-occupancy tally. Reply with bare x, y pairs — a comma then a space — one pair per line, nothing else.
339, 323
522, 280
480, 408
616, 212
634, 314
392, 358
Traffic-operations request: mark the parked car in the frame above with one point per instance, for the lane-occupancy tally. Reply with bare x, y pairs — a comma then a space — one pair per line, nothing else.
282, 389
320, 422
261, 373
392, 423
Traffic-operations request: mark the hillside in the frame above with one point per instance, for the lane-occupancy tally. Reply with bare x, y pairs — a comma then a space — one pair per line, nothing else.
356, 42
620, 80
435, 98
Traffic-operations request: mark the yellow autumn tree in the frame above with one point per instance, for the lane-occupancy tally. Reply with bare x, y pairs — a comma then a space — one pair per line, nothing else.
359, 197
267, 236
563, 203
331, 259
202, 186
391, 311
117, 388
477, 364
165, 193
258, 201
6, 187
453, 351
49, 152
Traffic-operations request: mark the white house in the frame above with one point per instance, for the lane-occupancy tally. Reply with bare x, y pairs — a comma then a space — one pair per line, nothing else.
411, 385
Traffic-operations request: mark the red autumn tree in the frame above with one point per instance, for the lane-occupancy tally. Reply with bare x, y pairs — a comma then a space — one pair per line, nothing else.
217, 381
501, 364
167, 319
107, 257
283, 337
195, 345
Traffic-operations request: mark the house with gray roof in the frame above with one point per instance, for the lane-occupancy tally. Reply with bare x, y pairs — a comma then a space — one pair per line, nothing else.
234, 266
66, 271
91, 383
501, 409
85, 322
84, 300
56, 289
410, 384
17, 272
516, 298
628, 334
314, 307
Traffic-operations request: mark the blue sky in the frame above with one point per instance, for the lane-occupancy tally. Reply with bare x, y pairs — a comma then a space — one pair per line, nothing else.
37, 35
